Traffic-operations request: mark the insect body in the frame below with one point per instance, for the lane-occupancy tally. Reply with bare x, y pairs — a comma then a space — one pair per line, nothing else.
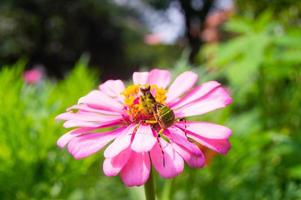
163, 115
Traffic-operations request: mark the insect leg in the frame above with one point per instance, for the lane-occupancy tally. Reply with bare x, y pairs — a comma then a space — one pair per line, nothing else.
135, 130
163, 154
150, 121
185, 126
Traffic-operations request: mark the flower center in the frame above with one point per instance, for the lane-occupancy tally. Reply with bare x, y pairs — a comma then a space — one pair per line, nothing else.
139, 105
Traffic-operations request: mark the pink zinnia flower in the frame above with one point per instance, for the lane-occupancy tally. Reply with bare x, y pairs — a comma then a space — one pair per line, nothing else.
141, 135
152, 39
33, 76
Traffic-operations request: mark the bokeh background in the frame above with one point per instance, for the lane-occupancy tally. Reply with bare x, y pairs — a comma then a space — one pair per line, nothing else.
54, 51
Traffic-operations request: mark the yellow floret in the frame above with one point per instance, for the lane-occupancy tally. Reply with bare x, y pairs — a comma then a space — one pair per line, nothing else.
131, 90
160, 94
135, 108
129, 100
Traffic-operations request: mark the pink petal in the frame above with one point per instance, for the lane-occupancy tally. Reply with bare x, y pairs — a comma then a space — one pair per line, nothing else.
140, 78
178, 136
112, 88
64, 139
77, 123
99, 99
195, 94
183, 83
170, 163
87, 144
67, 137
87, 116
195, 161
221, 146
217, 98
159, 77
112, 166
137, 169
86, 108
144, 139
120, 143
205, 129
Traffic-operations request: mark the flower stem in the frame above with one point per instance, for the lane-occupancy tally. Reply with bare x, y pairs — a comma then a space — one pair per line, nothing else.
149, 188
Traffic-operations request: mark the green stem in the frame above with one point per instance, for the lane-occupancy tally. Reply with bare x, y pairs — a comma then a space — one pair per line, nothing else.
149, 188
167, 189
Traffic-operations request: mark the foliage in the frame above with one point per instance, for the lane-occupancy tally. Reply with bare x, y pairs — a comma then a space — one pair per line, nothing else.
262, 60
261, 65
32, 166
282, 10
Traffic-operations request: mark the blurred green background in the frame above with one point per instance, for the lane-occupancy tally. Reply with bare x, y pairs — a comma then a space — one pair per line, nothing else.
53, 52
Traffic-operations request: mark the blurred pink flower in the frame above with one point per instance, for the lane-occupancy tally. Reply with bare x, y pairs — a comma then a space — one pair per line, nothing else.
137, 138
33, 76
152, 39
210, 35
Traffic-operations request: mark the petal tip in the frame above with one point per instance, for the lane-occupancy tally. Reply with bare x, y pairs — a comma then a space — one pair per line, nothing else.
228, 101
60, 144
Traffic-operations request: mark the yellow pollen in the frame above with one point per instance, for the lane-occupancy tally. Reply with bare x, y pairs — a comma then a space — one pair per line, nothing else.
131, 90
160, 95
129, 100
132, 93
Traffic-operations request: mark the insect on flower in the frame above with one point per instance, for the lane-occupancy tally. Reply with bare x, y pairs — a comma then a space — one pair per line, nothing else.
163, 115
149, 126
